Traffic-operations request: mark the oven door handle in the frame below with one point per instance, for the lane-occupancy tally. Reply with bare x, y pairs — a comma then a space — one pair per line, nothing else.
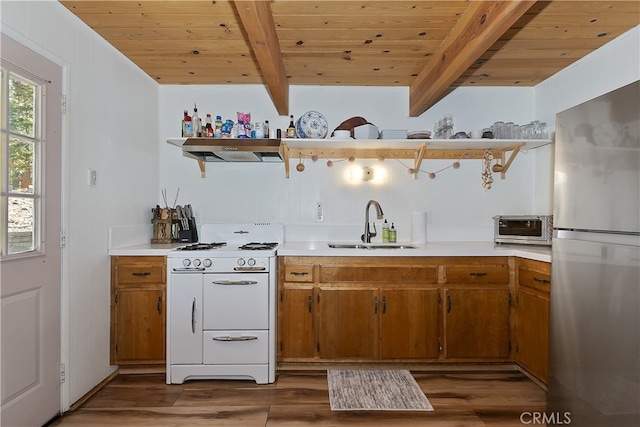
196, 269
249, 268
234, 282
193, 316
242, 338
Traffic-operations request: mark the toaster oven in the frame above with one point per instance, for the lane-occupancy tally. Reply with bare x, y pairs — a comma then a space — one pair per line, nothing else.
523, 229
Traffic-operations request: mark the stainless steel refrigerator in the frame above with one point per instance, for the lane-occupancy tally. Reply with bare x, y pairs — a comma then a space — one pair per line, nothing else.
594, 350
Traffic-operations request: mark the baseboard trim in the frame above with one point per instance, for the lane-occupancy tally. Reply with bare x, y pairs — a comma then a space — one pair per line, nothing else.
78, 403
416, 367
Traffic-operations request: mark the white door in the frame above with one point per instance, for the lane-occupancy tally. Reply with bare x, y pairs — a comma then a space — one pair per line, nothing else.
30, 287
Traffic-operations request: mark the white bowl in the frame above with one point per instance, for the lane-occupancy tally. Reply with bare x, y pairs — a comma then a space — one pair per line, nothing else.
342, 134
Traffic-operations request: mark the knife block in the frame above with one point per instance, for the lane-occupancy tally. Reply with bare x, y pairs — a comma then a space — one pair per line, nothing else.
189, 235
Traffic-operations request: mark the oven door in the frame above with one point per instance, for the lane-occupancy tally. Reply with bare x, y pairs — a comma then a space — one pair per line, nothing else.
237, 301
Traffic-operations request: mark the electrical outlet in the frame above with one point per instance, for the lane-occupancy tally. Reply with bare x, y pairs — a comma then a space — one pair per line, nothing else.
92, 178
319, 212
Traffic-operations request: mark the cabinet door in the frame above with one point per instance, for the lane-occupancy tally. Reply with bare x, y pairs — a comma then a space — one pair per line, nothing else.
185, 319
139, 326
296, 337
348, 323
533, 333
477, 323
409, 324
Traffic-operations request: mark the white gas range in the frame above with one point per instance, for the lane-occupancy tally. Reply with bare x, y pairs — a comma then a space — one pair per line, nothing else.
221, 304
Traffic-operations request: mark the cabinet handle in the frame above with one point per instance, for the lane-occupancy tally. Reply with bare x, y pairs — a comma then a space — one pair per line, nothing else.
384, 305
375, 305
543, 281
479, 274
310, 302
193, 316
141, 273
299, 273
448, 303
159, 306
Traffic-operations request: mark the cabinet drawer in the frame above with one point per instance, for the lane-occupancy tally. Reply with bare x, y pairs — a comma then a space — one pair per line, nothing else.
534, 280
298, 273
140, 270
235, 347
496, 274
379, 273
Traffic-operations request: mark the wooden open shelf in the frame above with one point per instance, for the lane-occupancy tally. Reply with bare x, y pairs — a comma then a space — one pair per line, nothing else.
505, 150
416, 149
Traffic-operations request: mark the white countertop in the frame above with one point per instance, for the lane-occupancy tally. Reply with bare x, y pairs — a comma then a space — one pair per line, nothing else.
321, 248
148, 249
539, 253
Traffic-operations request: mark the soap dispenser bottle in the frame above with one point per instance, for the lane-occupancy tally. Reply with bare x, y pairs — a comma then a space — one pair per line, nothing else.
385, 232
392, 234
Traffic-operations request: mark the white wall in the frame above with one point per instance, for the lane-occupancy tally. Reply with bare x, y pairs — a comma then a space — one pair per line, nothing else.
461, 209
110, 126
614, 65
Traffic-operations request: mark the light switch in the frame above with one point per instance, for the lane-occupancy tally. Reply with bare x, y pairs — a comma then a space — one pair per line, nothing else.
319, 212
92, 178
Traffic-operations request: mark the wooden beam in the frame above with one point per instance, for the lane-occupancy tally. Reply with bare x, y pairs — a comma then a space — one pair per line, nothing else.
260, 28
480, 26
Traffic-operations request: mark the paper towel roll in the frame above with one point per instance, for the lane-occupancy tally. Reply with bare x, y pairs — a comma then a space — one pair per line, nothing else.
419, 227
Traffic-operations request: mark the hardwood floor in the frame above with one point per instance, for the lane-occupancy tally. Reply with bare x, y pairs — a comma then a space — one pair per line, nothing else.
300, 398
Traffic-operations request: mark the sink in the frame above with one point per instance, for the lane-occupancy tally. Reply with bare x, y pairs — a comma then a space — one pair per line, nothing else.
369, 246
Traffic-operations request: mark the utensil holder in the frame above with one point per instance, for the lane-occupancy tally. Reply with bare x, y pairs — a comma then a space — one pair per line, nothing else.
165, 230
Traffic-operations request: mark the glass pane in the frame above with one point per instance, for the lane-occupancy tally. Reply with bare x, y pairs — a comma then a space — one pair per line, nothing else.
21, 225
21, 166
22, 107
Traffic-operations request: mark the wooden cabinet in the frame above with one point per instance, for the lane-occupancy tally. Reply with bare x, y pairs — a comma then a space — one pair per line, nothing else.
533, 288
138, 310
334, 308
348, 323
477, 309
410, 309
296, 309
409, 323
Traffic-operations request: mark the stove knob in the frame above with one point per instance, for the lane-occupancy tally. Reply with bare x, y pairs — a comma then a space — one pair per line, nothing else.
252, 262
196, 262
241, 262
186, 262
207, 262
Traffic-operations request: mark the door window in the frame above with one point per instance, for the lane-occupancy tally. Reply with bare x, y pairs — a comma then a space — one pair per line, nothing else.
22, 147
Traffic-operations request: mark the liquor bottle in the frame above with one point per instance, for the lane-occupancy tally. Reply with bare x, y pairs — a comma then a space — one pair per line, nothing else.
187, 128
186, 113
266, 129
195, 122
291, 130
208, 127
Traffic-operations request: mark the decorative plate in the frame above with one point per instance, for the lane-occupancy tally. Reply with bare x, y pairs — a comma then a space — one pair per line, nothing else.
312, 124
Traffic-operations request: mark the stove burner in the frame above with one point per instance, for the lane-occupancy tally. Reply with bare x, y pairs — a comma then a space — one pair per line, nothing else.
255, 246
201, 246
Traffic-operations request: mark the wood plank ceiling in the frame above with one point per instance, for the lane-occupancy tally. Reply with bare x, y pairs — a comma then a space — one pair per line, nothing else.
429, 46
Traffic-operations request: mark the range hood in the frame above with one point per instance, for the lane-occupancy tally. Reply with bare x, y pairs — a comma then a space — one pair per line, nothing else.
234, 150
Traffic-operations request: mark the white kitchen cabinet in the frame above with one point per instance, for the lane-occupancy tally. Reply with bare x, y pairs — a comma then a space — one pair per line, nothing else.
185, 320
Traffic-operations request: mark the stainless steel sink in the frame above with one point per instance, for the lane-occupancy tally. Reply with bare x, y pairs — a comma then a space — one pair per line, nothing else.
369, 246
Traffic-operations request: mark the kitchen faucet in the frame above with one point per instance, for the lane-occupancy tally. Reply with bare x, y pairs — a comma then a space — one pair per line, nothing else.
366, 237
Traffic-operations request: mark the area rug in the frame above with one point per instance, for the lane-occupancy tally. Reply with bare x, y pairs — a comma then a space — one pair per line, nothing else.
375, 390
